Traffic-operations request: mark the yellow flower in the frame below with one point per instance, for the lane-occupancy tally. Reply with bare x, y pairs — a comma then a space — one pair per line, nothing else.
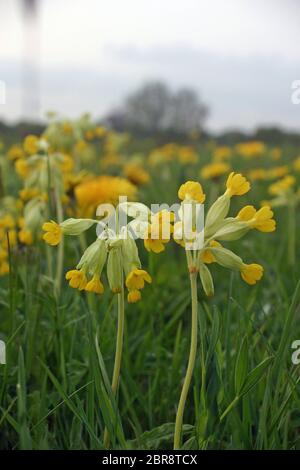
251, 149
7, 222
95, 285
296, 164
237, 185
22, 168
214, 170
221, 153
31, 144
159, 231
28, 193
206, 256
282, 185
262, 219
53, 233
136, 174
251, 273
89, 135
258, 174
278, 172
15, 152
107, 189
67, 128
136, 279
4, 268
191, 190
25, 237
134, 296
77, 279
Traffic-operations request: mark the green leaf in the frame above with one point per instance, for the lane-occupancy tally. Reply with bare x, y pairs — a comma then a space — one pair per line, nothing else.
255, 375
241, 367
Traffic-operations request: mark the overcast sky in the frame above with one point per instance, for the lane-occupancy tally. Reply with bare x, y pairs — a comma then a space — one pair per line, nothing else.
240, 55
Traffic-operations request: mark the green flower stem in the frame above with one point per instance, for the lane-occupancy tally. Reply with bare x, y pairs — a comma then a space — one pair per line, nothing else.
60, 252
192, 356
291, 234
118, 356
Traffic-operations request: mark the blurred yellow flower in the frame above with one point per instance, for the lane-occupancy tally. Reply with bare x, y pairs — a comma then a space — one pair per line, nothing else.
53, 233
100, 190
31, 144
214, 170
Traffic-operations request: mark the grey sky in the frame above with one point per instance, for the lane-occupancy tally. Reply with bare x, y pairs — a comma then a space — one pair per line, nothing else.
240, 55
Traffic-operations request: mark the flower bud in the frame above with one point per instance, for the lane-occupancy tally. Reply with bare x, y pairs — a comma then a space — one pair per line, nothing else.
217, 212
76, 226
114, 271
206, 280
227, 258
130, 255
94, 257
232, 229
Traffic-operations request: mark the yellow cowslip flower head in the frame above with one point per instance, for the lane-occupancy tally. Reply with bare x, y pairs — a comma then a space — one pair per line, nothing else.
28, 193
206, 256
53, 233
136, 174
67, 164
136, 279
67, 128
89, 134
95, 285
278, 172
4, 268
77, 279
222, 153
282, 185
159, 231
191, 190
237, 185
214, 170
22, 168
251, 273
187, 155
134, 296
100, 131
31, 144
296, 164
276, 153
257, 174
25, 237
103, 189
7, 222
262, 219
15, 152
251, 149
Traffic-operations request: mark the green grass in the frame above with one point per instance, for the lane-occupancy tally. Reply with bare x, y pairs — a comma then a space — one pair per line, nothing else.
55, 388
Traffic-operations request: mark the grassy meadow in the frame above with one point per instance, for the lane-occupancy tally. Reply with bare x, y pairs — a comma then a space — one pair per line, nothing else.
55, 387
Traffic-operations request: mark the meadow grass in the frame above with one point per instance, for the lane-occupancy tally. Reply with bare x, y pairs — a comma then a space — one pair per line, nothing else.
55, 390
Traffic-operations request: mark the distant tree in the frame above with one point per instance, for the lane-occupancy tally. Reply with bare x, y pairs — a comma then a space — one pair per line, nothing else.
147, 109
154, 108
188, 113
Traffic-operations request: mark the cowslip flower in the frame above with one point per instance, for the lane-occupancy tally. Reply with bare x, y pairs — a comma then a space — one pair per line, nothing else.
217, 227
261, 220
